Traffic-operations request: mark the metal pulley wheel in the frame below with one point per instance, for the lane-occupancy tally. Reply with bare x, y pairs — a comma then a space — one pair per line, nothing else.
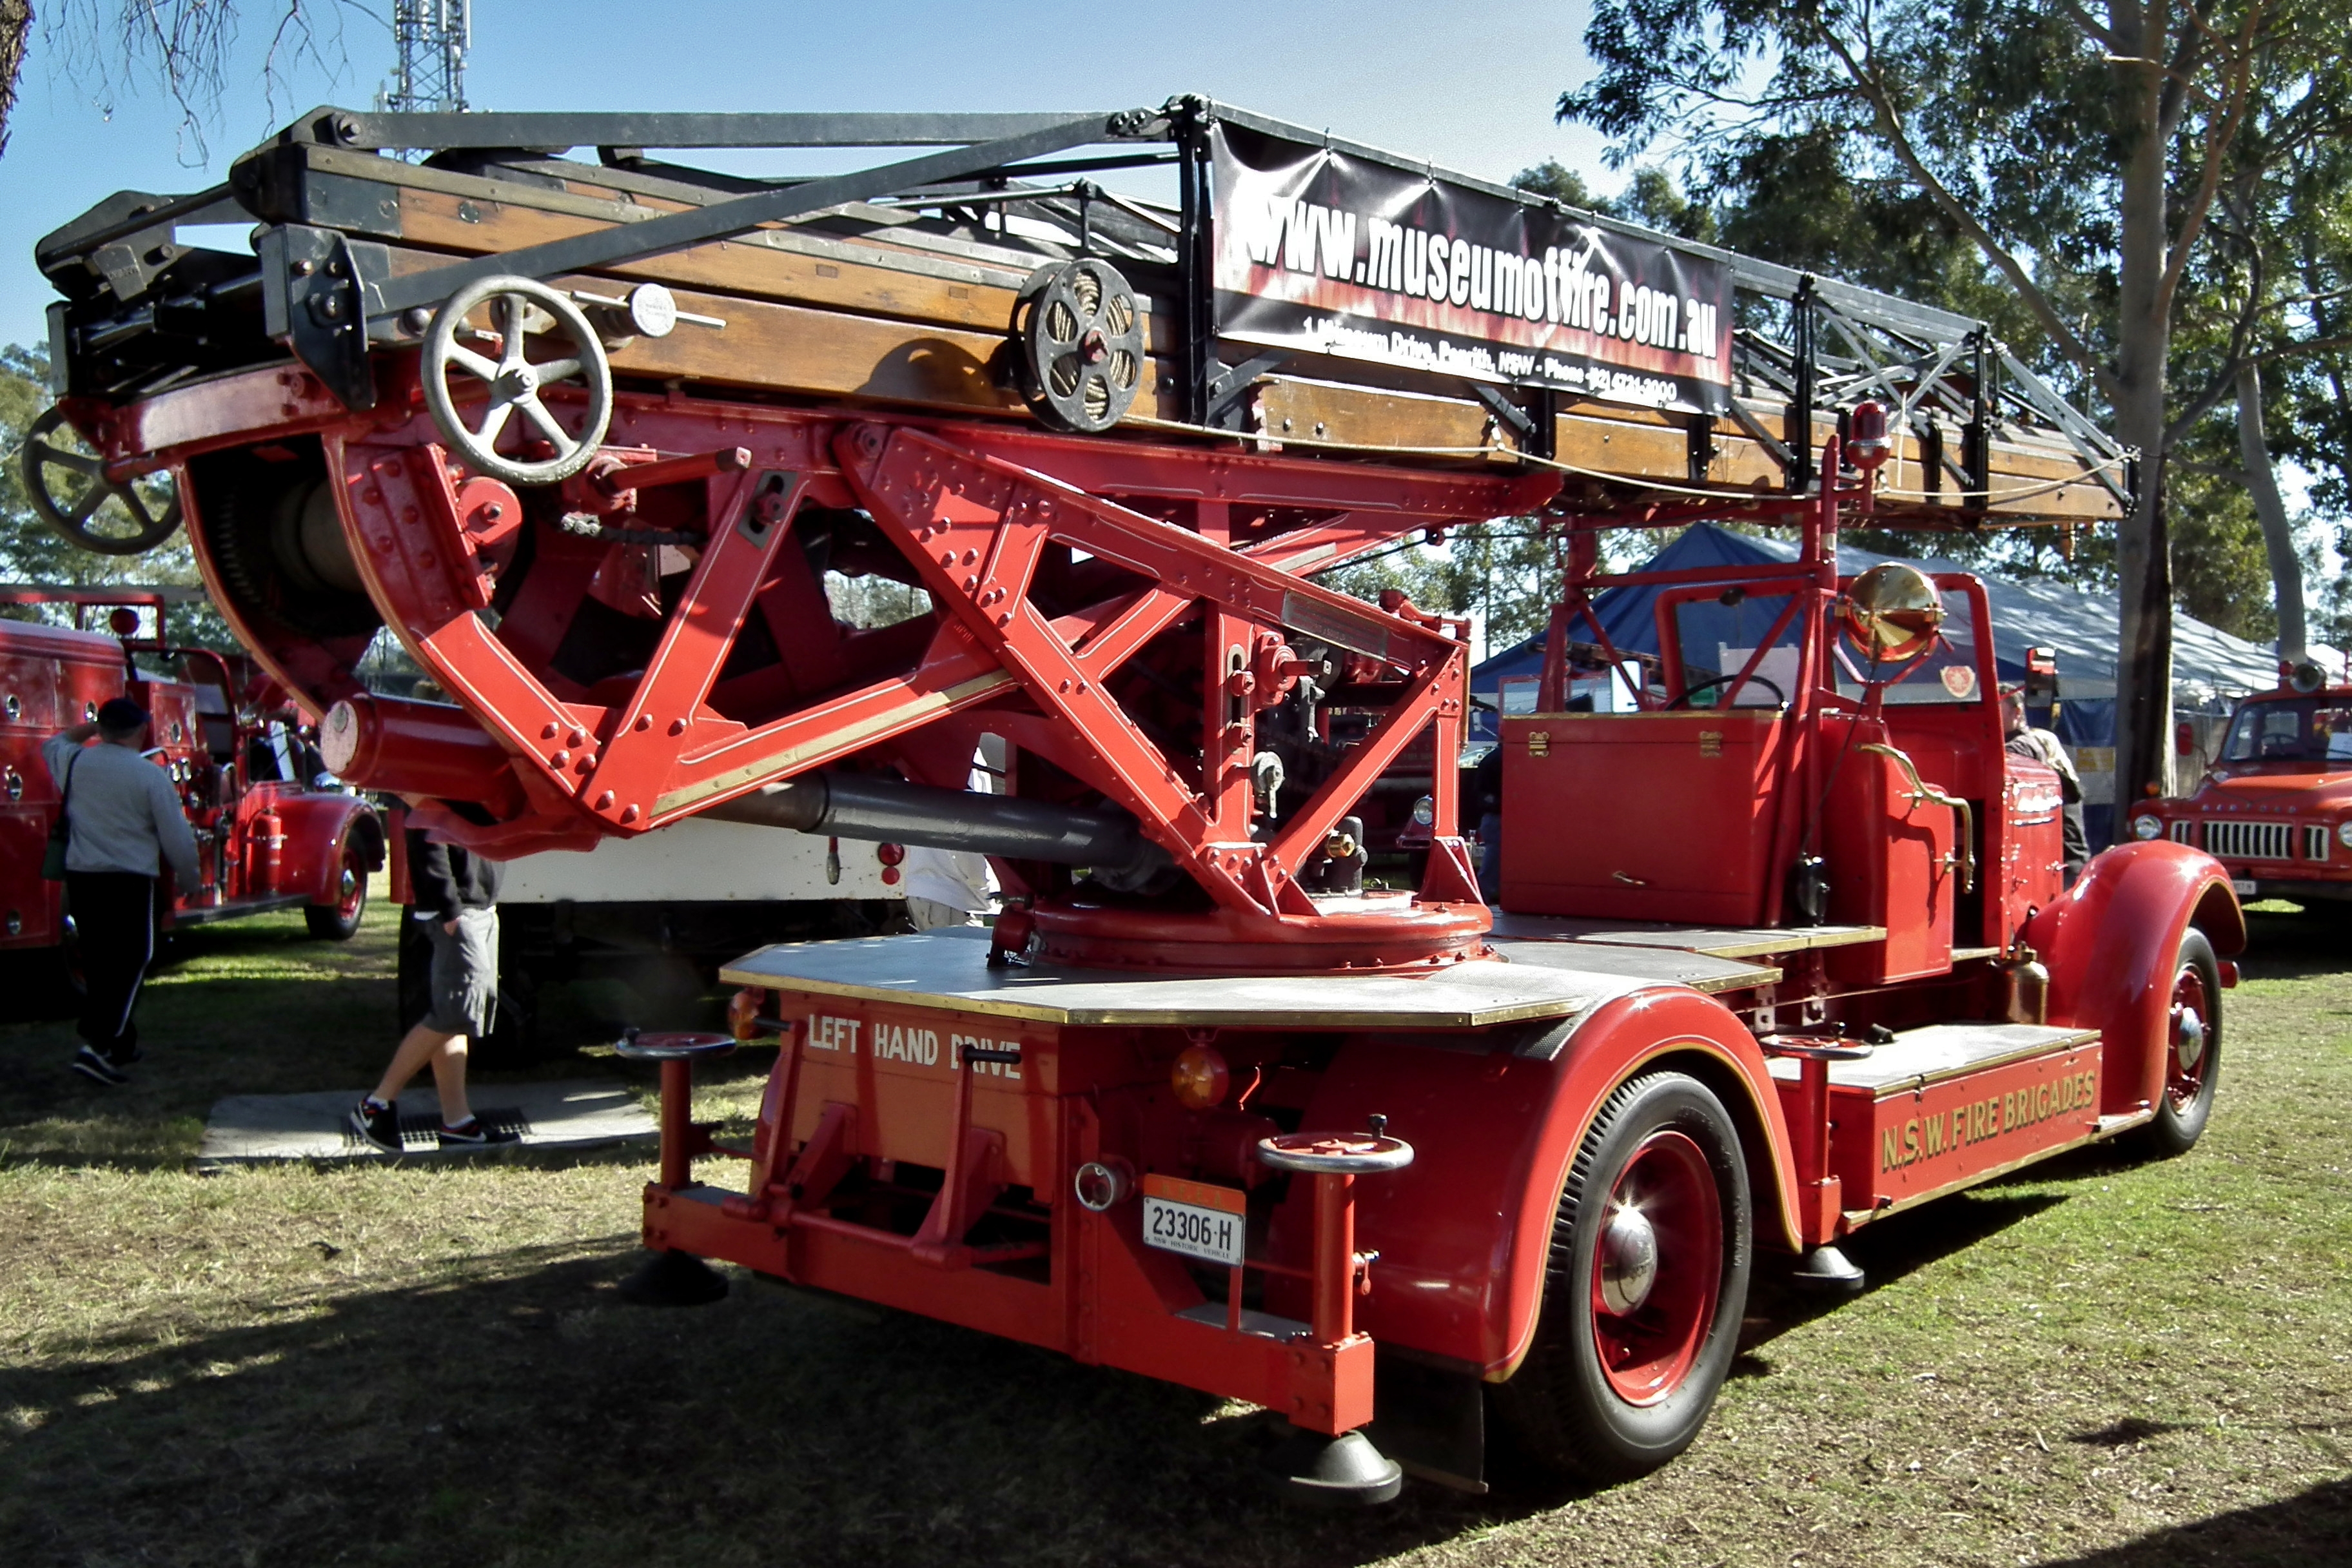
1081, 327
519, 309
92, 510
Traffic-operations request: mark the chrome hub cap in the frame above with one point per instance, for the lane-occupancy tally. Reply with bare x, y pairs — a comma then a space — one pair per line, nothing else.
2187, 1037
1629, 1260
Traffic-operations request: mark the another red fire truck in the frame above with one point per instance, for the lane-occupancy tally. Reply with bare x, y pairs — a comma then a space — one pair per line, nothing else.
1782, 953
267, 838
2275, 804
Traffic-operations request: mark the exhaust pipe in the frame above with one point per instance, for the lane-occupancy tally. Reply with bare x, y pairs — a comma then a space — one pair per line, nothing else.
880, 810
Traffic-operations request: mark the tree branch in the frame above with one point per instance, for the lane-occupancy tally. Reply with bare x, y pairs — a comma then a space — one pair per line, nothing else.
1890, 127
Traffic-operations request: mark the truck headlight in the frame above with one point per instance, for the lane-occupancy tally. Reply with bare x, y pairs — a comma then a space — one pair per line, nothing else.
2344, 833
2147, 827
1424, 813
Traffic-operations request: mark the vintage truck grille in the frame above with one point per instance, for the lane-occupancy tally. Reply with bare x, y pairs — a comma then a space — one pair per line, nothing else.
2315, 843
2249, 840
2184, 831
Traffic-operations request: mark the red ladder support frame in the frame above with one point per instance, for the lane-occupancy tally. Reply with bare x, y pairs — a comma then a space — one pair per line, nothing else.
989, 500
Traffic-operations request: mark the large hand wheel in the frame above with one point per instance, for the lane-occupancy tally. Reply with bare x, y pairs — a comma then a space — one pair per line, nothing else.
1081, 327
518, 308
1644, 1291
92, 511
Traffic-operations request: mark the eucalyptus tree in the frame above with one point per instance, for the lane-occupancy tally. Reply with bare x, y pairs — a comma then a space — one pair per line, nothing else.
2082, 148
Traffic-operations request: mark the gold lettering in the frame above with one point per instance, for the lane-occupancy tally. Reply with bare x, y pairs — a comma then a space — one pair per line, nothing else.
1890, 1152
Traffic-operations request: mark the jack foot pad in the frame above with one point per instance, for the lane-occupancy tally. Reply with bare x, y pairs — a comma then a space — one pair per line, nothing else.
1826, 1272
1345, 1471
674, 1280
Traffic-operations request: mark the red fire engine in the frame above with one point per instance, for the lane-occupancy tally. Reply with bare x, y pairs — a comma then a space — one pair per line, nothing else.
2275, 803
267, 835
1782, 952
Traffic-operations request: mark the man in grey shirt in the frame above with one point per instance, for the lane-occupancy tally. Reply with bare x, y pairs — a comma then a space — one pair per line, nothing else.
122, 818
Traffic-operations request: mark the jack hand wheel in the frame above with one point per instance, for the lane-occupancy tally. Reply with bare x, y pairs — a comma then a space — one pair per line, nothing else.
1081, 329
1336, 1153
93, 510
671, 1046
519, 309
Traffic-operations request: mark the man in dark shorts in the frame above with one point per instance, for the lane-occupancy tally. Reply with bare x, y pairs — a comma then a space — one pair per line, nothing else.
456, 898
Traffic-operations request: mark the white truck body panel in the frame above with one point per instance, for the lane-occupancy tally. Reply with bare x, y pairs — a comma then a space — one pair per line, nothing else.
697, 861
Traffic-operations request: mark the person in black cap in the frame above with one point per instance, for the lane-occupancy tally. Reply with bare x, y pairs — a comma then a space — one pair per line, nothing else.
122, 819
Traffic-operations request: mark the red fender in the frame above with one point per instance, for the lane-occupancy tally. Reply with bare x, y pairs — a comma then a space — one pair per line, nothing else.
1465, 1231
2108, 944
317, 828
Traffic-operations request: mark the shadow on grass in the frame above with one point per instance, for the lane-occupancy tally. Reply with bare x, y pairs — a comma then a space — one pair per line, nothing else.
1886, 1252
521, 1407
2311, 1529
2283, 946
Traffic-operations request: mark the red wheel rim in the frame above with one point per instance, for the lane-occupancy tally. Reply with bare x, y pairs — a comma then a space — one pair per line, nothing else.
347, 908
1648, 1324
2188, 1039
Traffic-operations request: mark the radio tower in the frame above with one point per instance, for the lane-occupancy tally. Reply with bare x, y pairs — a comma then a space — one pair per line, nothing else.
432, 36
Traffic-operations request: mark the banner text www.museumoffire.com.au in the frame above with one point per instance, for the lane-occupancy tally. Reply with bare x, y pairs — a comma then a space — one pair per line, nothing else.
1328, 254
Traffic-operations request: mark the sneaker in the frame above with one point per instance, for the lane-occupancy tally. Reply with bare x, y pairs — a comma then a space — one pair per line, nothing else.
377, 1124
92, 1063
475, 1134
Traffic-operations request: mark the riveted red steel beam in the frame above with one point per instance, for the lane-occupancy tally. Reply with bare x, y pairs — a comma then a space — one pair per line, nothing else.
1435, 694
749, 520
975, 526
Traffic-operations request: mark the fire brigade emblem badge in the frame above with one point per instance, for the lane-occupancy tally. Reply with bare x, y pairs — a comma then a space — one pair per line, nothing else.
1960, 682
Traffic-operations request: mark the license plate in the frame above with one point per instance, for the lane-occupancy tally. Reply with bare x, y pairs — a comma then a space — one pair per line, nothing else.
2242, 884
1196, 1219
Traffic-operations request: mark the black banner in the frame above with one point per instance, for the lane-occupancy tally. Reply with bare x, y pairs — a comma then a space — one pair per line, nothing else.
1329, 254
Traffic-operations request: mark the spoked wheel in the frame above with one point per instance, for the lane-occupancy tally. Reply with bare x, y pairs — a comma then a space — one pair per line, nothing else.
1647, 1281
510, 385
67, 486
2192, 1053
340, 921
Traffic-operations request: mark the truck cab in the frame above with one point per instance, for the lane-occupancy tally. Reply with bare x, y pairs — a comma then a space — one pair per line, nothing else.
2275, 805
1776, 772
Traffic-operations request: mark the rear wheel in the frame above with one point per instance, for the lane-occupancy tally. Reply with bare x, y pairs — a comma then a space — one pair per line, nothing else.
340, 921
2192, 1053
1645, 1287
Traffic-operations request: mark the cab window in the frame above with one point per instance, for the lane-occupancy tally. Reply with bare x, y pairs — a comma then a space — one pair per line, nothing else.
2296, 730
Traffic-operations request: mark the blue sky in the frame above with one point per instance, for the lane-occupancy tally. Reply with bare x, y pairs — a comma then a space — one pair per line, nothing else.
1468, 84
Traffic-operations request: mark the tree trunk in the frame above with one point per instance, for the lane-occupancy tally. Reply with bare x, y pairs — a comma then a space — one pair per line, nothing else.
2143, 340
15, 27
2278, 539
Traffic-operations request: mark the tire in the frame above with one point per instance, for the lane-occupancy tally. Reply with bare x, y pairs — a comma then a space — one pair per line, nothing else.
1613, 1388
2192, 1056
339, 921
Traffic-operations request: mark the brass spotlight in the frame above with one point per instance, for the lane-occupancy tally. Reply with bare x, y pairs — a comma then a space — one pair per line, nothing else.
1893, 611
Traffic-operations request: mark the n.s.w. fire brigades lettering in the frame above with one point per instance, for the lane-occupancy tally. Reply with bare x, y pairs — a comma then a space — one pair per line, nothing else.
1945, 1132
890, 1042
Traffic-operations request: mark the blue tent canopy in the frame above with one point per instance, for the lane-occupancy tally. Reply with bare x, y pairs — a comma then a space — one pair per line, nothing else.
2210, 667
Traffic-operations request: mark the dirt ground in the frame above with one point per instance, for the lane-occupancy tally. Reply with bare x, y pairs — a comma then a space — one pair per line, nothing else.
2098, 1364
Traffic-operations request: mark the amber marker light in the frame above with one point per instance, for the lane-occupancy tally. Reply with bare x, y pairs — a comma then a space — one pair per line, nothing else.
743, 1014
1199, 1077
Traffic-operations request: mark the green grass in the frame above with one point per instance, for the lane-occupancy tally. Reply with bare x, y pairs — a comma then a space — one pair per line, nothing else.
2100, 1363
